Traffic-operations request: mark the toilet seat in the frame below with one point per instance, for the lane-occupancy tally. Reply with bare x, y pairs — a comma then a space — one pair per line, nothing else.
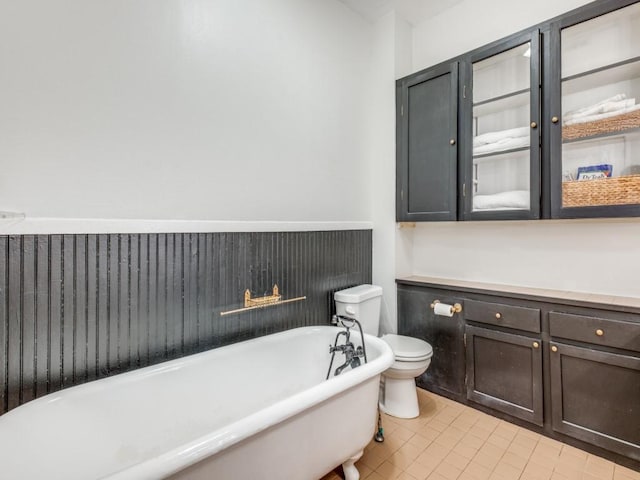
408, 349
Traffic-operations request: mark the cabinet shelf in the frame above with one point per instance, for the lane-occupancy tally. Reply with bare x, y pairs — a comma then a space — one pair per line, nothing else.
600, 69
508, 101
500, 153
501, 97
605, 75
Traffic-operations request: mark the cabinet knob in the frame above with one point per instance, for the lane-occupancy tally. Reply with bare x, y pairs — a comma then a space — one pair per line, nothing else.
554, 348
554, 119
452, 141
536, 345
498, 315
534, 125
599, 332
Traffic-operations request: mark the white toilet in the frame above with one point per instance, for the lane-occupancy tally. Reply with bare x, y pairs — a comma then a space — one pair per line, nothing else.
413, 356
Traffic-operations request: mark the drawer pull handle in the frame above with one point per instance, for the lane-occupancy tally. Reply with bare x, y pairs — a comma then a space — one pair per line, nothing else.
534, 125
498, 315
554, 348
599, 332
536, 344
555, 119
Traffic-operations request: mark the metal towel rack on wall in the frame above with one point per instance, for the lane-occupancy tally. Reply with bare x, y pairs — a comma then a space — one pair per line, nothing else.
261, 302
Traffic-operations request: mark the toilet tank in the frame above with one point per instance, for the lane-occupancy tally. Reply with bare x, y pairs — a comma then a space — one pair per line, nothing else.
362, 303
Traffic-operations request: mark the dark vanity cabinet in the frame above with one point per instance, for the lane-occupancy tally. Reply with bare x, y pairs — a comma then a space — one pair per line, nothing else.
427, 151
504, 359
446, 372
595, 384
548, 124
568, 368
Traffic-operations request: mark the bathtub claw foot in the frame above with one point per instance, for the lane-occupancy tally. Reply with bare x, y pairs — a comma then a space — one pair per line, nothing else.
349, 468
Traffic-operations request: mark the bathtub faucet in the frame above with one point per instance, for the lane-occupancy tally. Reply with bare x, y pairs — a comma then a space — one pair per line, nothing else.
352, 356
351, 353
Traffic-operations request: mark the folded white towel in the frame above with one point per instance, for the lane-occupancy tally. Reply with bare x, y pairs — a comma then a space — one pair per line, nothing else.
511, 200
593, 118
602, 108
616, 98
492, 137
500, 145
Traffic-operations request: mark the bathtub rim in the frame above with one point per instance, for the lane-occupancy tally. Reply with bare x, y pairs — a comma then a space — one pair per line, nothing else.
183, 456
187, 454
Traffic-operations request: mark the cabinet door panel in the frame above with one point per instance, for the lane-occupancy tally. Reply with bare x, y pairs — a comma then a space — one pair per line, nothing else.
416, 319
596, 397
594, 81
504, 372
500, 118
427, 156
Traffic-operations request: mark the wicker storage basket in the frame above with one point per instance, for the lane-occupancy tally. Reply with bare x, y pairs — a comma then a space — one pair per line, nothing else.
606, 125
603, 191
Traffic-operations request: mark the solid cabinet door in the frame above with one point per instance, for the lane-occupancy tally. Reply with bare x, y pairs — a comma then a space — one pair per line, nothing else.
594, 113
504, 372
427, 145
501, 107
445, 335
595, 397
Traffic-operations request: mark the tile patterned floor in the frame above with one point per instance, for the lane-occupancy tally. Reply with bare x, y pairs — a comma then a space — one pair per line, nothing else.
450, 441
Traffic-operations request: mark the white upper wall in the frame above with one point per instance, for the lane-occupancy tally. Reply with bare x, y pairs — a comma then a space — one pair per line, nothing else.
193, 109
593, 256
391, 54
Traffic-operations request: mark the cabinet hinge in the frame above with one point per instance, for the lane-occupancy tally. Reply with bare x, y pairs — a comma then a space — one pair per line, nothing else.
464, 339
464, 189
464, 91
402, 194
402, 110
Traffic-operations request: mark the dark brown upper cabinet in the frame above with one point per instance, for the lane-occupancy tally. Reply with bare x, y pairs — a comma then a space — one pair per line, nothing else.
427, 153
542, 124
500, 121
594, 112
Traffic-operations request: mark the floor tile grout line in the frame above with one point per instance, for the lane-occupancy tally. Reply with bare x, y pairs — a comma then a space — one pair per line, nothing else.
506, 439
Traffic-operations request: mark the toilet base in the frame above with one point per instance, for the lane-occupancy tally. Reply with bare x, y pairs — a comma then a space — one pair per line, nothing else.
400, 398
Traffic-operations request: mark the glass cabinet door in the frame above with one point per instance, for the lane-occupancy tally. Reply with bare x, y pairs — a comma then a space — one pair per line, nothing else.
596, 151
502, 176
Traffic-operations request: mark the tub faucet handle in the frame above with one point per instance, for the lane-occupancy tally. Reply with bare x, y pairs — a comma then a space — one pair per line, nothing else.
345, 321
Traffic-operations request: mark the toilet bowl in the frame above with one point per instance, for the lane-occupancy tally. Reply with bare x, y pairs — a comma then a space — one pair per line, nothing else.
412, 358
399, 397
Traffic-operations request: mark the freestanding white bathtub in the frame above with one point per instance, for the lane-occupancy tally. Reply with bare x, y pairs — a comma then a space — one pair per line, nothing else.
259, 409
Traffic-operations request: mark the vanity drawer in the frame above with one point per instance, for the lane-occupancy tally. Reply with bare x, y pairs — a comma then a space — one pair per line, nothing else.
599, 331
510, 316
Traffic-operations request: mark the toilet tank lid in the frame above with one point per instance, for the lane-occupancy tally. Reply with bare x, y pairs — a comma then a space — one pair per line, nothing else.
358, 294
